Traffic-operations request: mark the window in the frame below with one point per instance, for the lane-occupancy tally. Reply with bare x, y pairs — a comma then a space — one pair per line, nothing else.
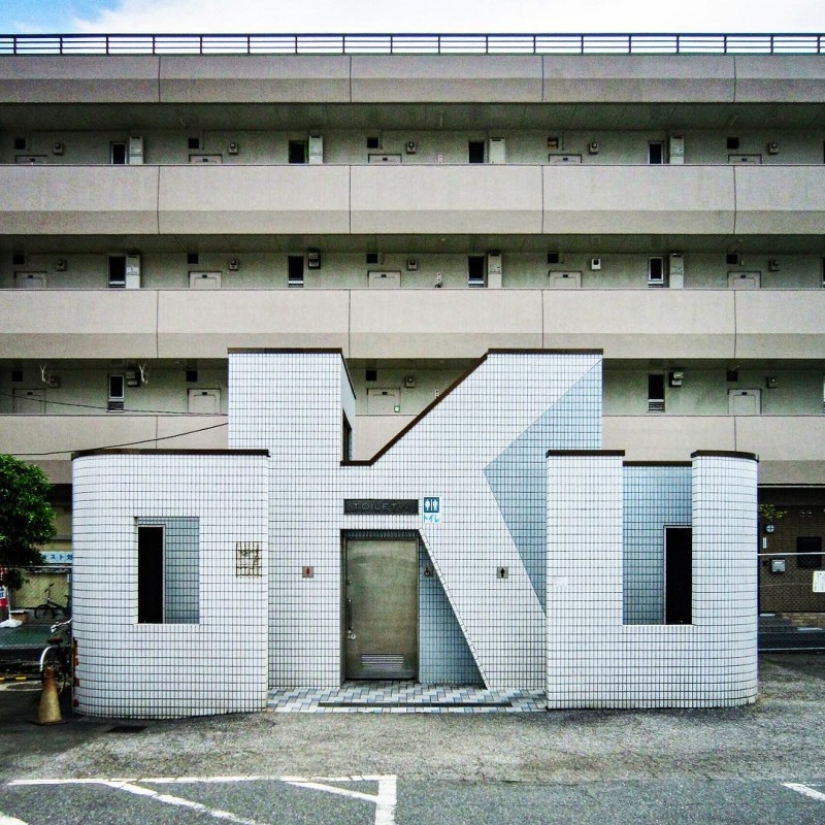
295, 270
118, 154
656, 152
656, 392
117, 271
297, 151
193, 143
116, 393
732, 144
475, 151
656, 271
678, 575
475, 270
347, 439
810, 550
168, 571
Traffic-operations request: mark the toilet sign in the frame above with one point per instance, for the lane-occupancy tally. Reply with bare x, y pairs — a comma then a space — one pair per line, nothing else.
432, 510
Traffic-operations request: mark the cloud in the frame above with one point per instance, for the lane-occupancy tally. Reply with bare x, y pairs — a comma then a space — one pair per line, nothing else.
370, 16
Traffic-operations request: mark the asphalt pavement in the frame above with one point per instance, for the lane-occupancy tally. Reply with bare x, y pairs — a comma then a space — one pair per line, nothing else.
764, 763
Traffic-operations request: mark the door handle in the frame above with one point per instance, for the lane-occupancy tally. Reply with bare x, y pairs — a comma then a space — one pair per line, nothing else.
349, 615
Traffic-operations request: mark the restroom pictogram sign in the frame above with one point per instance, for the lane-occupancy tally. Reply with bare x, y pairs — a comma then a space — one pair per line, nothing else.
432, 510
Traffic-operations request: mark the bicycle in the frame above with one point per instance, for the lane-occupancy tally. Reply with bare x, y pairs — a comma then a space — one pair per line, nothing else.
52, 607
57, 655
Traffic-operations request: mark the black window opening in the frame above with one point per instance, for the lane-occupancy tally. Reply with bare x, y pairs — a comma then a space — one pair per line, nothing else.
117, 393
295, 270
347, 439
119, 154
678, 575
475, 151
475, 270
117, 271
809, 549
656, 153
656, 392
297, 151
168, 572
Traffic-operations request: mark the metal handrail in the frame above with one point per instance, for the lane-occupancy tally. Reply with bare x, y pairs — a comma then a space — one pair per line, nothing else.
410, 44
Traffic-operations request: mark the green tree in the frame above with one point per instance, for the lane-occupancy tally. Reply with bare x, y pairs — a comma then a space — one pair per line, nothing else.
26, 517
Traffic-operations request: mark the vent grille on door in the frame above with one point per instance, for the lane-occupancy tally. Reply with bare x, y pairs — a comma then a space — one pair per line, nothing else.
382, 661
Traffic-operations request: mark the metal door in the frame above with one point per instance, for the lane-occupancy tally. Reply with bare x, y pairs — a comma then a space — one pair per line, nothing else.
381, 609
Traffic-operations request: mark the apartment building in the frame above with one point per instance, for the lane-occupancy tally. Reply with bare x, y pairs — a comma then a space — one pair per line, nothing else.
167, 200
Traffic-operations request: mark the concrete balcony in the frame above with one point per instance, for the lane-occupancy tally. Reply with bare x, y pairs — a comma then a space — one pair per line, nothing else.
791, 448
78, 200
49, 440
411, 323
400, 199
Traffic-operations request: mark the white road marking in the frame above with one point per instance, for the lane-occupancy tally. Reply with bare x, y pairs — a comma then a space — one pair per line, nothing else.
168, 799
805, 791
10, 820
385, 800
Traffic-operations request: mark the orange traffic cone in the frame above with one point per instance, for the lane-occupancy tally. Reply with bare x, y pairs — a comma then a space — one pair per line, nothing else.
49, 711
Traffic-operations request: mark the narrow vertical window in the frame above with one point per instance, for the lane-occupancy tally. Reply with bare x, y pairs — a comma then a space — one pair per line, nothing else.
295, 271
656, 152
117, 393
678, 575
475, 270
656, 392
297, 151
150, 575
118, 154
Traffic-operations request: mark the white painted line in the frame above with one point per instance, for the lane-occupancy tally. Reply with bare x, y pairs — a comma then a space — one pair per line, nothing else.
805, 791
385, 809
385, 800
10, 820
168, 799
317, 786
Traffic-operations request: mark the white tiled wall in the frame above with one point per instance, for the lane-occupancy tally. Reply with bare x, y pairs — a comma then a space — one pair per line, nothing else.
593, 659
131, 669
290, 403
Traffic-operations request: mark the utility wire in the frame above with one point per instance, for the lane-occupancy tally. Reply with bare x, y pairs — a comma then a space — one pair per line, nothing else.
124, 444
91, 406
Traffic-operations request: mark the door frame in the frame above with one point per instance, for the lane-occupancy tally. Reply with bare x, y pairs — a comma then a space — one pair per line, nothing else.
375, 535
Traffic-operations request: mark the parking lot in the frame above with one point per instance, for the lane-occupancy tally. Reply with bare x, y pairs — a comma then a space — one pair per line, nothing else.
764, 763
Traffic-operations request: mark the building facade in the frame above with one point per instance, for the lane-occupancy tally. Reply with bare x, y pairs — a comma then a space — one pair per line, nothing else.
160, 208
493, 544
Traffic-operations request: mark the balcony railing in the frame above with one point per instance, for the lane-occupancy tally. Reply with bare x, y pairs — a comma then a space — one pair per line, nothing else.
410, 44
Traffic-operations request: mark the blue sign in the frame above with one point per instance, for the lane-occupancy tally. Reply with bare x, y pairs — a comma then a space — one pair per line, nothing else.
53, 557
432, 510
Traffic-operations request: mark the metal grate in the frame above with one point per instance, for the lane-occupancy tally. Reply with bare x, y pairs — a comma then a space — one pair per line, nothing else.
247, 558
382, 661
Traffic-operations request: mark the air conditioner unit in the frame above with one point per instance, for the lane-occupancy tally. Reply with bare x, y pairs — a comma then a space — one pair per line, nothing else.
409, 381
676, 270
233, 148
411, 147
593, 147
135, 150
313, 259
773, 148
595, 263
58, 148
316, 149
234, 265
412, 264
132, 270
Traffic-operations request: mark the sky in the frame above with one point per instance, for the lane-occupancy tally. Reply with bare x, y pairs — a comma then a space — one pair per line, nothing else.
420, 16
